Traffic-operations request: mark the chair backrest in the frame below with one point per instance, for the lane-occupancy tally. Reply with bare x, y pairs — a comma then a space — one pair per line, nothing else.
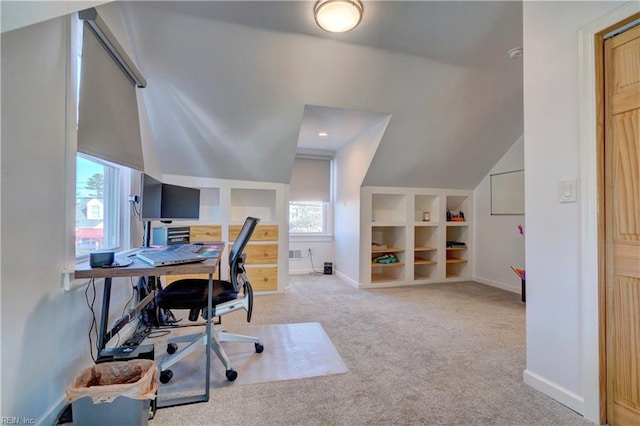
236, 258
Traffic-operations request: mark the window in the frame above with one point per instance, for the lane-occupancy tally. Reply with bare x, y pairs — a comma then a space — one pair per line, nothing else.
310, 209
307, 217
104, 103
99, 195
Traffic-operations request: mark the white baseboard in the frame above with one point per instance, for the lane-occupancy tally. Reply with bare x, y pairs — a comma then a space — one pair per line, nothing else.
497, 284
51, 416
555, 391
301, 271
347, 279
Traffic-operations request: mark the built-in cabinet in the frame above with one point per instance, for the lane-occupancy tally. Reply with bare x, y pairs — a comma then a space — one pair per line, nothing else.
414, 236
224, 206
262, 256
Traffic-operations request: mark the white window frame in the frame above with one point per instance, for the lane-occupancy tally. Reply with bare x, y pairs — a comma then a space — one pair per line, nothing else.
117, 183
328, 212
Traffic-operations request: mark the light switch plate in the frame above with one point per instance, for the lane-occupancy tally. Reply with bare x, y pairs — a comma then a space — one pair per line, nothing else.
567, 191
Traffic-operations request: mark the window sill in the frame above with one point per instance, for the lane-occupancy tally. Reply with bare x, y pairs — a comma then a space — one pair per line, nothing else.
310, 238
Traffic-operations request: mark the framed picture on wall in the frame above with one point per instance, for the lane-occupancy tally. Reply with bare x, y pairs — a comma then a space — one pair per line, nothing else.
507, 193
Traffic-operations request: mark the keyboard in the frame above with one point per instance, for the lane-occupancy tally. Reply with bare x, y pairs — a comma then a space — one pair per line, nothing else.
187, 248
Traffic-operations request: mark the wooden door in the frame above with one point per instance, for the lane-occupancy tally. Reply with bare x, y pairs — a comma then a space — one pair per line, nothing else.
622, 226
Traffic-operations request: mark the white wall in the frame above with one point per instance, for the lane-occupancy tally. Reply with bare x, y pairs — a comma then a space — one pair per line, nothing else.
321, 251
555, 359
112, 16
44, 329
17, 14
352, 162
497, 243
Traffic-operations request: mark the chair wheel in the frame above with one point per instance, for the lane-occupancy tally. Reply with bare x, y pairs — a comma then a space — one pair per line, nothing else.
172, 348
259, 347
165, 376
231, 374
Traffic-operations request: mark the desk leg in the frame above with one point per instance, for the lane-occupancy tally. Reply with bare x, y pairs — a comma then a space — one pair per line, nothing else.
207, 341
209, 331
104, 318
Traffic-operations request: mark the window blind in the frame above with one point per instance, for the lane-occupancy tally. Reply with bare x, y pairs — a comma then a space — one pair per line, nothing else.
310, 180
108, 123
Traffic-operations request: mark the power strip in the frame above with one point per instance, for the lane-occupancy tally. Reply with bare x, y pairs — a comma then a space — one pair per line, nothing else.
140, 334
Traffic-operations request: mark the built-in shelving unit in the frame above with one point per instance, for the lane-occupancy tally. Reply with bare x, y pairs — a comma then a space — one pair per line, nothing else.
387, 253
425, 250
414, 226
457, 241
224, 206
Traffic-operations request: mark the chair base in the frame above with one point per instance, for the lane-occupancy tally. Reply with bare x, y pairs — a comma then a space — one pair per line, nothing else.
199, 339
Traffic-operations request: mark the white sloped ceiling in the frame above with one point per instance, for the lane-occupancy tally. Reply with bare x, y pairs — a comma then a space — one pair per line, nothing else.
227, 87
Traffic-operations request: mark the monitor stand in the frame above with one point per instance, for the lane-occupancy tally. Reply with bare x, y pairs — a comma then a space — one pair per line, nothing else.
146, 238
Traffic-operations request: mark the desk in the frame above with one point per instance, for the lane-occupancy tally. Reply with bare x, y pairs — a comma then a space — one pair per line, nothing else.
139, 269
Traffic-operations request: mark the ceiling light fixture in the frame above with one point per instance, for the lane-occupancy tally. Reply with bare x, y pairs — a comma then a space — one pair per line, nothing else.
516, 52
338, 16
323, 134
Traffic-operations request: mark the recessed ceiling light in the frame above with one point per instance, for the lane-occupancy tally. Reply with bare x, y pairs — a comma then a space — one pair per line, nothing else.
323, 134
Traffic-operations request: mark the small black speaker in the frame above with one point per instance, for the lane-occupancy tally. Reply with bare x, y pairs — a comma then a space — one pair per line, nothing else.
328, 268
101, 258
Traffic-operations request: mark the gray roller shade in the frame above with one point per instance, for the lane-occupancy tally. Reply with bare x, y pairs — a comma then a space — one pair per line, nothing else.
310, 180
108, 124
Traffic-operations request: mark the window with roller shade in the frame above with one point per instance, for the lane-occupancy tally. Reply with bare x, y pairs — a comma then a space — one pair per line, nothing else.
310, 196
108, 144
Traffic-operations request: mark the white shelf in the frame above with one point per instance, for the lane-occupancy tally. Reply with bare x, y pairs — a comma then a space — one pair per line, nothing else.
389, 208
430, 204
210, 205
259, 203
395, 218
227, 203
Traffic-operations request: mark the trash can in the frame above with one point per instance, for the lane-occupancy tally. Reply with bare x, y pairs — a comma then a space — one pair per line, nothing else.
114, 393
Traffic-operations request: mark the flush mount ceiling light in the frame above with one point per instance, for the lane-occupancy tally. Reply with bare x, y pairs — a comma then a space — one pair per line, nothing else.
338, 16
516, 52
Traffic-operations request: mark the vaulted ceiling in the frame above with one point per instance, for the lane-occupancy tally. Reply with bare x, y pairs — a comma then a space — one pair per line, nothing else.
229, 83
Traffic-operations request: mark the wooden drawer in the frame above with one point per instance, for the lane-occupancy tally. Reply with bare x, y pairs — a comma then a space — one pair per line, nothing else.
258, 254
205, 233
263, 278
261, 233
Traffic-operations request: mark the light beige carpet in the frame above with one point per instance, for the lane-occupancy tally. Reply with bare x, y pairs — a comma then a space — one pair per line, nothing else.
291, 351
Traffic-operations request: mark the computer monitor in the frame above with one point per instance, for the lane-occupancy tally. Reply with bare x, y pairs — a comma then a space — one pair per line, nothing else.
164, 202
150, 198
179, 203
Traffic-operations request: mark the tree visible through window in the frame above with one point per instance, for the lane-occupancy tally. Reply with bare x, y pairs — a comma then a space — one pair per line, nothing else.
307, 217
97, 215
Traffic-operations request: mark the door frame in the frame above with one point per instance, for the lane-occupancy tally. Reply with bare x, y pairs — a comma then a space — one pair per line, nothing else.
591, 143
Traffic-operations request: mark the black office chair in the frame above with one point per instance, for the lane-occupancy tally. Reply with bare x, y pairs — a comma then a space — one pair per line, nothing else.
192, 294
